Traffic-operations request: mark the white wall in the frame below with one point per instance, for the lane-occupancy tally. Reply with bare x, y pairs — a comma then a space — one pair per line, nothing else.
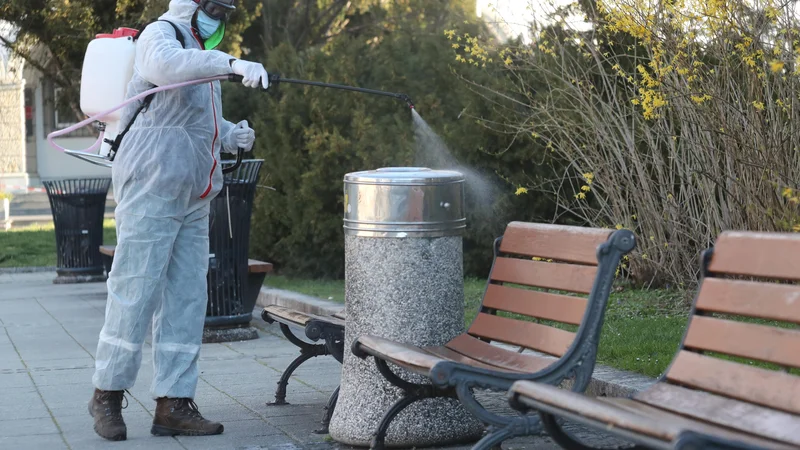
53, 163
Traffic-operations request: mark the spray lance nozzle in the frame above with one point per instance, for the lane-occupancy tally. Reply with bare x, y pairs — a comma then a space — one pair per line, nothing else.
406, 99
275, 79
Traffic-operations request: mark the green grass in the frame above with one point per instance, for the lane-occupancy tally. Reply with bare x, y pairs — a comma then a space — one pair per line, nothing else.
325, 289
35, 246
641, 333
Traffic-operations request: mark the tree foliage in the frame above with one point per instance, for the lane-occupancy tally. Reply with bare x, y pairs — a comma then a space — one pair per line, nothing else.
52, 35
310, 137
677, 119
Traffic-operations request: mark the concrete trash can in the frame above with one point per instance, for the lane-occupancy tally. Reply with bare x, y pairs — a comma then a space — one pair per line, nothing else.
403, 281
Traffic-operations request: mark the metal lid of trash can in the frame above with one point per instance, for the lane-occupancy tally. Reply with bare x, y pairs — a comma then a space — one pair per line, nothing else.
404, 202
405, 176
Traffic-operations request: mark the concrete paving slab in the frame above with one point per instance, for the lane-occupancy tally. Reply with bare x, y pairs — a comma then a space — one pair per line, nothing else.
247, 434
37, 365
39, 442
137, 440
9, 365
63, 410
24, 410
14, 381
28, 427
61, 377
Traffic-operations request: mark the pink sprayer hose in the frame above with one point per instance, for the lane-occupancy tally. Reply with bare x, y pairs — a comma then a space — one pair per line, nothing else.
96, 117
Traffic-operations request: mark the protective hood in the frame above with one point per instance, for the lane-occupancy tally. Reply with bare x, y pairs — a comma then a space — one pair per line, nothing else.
181, 11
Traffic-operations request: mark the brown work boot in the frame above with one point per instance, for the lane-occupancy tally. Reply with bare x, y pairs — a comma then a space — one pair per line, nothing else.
180, 417
106, 408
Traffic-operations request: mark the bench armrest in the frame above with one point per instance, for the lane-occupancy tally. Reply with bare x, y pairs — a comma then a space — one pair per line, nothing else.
450, 374
692, 440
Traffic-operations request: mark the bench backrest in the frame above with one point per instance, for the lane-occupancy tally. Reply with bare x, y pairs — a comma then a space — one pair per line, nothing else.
560, 263
747, 309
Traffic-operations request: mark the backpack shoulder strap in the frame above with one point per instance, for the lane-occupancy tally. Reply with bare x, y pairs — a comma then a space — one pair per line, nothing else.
147, 100
178, 33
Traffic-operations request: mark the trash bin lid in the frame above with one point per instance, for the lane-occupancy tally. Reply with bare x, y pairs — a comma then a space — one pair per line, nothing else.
405, 176
403, 202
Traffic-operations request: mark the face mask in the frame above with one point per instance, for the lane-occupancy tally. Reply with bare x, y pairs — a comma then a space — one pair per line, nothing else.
206, 26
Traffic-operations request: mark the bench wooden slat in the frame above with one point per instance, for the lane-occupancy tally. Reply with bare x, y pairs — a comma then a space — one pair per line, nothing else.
748, 340
328, 319
558, 242
724, 411
626, 414
774, 301
769, 255
687, 423
764, 387
451, 355
534, 336
562, 277
255, 266
299, 318
280, 313
420, 359
536, 394
499, 357
406, 356
542, 305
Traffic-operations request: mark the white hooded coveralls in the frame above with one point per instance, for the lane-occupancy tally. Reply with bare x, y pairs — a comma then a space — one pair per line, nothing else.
165, 174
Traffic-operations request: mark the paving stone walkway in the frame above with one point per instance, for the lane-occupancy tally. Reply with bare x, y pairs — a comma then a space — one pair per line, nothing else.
47, 346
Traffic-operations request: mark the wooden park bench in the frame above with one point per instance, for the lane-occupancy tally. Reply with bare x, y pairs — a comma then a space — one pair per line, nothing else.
329, 329
256, 272
713, 396
254, 267
534, 266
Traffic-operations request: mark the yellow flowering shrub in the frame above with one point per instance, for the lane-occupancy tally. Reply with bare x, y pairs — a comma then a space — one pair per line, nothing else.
677, 118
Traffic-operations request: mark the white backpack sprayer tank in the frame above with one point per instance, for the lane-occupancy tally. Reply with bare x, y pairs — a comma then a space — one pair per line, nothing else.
107, 70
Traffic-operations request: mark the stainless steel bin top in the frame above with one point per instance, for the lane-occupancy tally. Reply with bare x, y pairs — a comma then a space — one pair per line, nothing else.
404, 202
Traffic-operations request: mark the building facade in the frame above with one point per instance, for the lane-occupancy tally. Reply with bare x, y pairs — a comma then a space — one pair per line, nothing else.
13, 152
28, 113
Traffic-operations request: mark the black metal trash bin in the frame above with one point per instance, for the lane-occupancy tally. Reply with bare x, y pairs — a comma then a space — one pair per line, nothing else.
228, 303
78, 207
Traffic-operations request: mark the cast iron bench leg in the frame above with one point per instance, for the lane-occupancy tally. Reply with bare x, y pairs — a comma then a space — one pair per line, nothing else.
412, 393
326, 419
307, 351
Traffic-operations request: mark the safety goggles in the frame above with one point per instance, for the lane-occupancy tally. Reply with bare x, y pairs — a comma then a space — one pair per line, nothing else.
216, 9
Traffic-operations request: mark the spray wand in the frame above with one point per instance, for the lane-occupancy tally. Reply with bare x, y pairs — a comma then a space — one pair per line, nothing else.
274, 79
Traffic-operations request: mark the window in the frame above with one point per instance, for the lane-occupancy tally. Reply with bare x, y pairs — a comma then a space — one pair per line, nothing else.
65, 117
59, 114
30, 99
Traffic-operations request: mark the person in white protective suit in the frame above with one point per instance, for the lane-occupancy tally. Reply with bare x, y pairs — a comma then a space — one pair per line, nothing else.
165, 174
